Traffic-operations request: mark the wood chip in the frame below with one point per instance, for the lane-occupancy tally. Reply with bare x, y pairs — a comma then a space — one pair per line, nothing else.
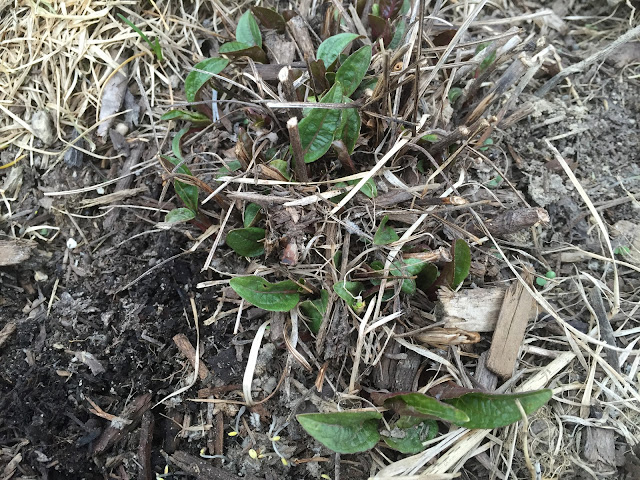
185, 347
15, 251
473, 310
518, 308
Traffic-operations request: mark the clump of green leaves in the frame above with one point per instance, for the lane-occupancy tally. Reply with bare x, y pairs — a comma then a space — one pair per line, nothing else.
358, 431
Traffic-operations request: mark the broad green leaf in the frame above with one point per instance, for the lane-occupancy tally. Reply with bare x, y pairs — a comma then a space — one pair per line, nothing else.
231, 47
248, 31
175, 147
454, 94
351, 127
461, 262
194, 117
187, 193
270, 19
432, 138
423, 406
274, 297
314, 310
409, 439
353, 70
400, 28
179, 215
493, 411
319, 127
247, 242
369, 188
329, 50
251, 214
343, 432
350, 293
385, 234
201, 74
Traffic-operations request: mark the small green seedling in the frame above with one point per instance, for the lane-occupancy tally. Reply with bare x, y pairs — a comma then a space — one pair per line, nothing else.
542, 281
622, 250
154, 45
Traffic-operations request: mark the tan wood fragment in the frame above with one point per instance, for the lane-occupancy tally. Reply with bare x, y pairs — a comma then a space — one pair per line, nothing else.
15, 251
473, 310
518, 308
185, 347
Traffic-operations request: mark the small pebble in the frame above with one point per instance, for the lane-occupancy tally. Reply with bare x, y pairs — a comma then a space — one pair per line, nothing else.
43, 128
71, 244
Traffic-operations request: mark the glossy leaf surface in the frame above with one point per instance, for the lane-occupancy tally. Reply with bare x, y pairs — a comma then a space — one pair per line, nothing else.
318, 128
332, 47
247, 242
353, 70
201, 74
343, 432
274, 297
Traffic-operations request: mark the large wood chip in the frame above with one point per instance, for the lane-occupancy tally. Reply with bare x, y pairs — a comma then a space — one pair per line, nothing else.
518, 308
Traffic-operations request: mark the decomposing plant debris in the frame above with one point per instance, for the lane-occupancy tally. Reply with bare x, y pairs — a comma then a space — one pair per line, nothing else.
325, 228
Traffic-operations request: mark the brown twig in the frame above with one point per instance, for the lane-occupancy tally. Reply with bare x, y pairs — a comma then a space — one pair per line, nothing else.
299, 167
185, 347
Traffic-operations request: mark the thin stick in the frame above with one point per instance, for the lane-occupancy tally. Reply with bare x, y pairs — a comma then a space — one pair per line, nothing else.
299, 167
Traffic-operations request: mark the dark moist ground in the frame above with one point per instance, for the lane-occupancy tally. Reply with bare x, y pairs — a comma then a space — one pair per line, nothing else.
46, 389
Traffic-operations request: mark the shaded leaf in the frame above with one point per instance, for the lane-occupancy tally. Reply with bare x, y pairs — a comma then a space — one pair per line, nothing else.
409, 438
318, 128
380, 28
201, 74
314, 310
353, 70
369, 188
343, 432
282, 167
240, 49
390, 9
329, 50
318, 75
399, 29
274, 297
493, 411
232, 166
187, 193
251, 214
179, 215
385, 234
194, 117
248, 31
427, 277
421, 406
270, 19
350, 293
247, 242
351, 128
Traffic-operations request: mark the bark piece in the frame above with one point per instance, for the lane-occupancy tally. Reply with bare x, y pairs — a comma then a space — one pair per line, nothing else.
599, 448
144, 447
15, 251
473, 310
518, 308
300, 33
606, 331
6, 332
114, 432
513, 221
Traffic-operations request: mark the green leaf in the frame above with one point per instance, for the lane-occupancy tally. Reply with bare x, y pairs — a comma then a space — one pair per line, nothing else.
454, 94
175, 148
194, 117
319, 127
350, 293
274, 297
314, 310
241, 49
423, 406
232, 166
247, 242
251, 214
427, 276
282, 167
398, 34
385, 234
329, 50
187, 193
351, 129
493, 411
343, 432
461, 262
353, 70
179, 215
231, 47
410, 438
369, 188
201, 74
248, 31
155, 45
